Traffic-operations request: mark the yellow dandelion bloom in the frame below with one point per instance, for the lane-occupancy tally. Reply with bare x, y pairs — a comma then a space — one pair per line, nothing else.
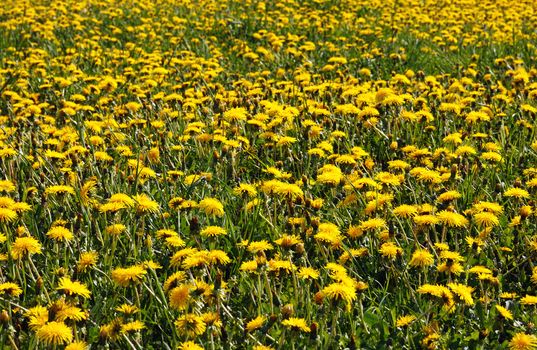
504, 312
463, 292
55, 333
421, 258
390, 250
340, 292
190, 325
73, 287
10, 288
523, 341
133, 326
189, 345
24, 246
7, 215
77, 345
297, 324
213, 231
404, 321
516, 193
452, 219
308, 273
86, 260
179, 297
373, 224
528, 300
144, 204
60, 190
130, 275
256, 323
211, 207
60, 233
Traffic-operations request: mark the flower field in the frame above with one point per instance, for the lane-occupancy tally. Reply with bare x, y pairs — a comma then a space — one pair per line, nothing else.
317, 174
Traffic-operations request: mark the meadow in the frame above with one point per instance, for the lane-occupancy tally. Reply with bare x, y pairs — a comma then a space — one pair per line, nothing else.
316, 174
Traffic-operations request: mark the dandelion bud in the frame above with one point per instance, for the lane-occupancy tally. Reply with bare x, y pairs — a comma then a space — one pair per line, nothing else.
272, 319
4, 318
194, 226
318, 298
525, 211
314, 327
299, 249
218, 281
454, 169
361, 286
149, 242
287, 311
39, 283
154, 155
394, 145
21, 231
261, 258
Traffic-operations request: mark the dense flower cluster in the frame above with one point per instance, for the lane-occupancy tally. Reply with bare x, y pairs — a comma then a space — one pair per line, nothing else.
268, 175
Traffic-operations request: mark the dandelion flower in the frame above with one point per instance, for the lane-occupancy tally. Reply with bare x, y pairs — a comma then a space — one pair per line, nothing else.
249, 266
211, 207
340, 291
7, 186
405, 211
55, 333
308, 273
213, 231
60, 233
425, 220
10, 288
131, 327
405, 320
463, 292
523, 341
297, 324
259, 246
504, 312
390, 250
189, 345
528, 300
60, 190
145, 204
373, 224
516, 193
179, 297
486, 219
452, 219
256, 323
7, 215
190, 325
25, 246
86, 260
130, 275
77, 345
122, 198
73, 287
421, 258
